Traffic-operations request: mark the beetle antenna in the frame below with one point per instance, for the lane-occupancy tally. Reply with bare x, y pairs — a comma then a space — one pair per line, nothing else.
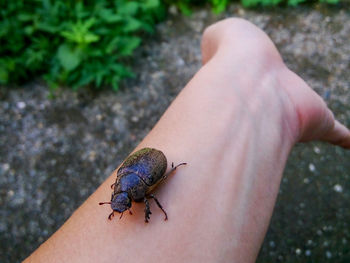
174, 168
104, 203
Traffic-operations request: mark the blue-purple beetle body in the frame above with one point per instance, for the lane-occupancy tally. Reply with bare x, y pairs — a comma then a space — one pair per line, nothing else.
140, 173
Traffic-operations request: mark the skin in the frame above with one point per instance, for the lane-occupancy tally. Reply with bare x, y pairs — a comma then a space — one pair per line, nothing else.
234, 124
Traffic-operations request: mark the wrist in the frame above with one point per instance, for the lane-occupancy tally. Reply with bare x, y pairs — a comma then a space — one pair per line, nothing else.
244, 55
258, 96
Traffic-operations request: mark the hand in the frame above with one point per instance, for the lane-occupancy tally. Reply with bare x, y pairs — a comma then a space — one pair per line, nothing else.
309, 118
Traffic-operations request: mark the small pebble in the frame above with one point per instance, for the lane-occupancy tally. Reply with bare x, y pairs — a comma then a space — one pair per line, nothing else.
116, 107
180, 62
308, 253
173, 10
317, 150
3, 227
10, 193
306, 180
328, 254
338, 188
92, 156
21, 105
6, 167
98, 117
312, 167
298, 251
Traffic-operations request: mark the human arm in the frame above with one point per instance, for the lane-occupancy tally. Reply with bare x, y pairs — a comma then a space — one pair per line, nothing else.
234, 124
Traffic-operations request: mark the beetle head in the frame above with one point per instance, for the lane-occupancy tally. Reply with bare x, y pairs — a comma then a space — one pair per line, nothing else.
121, 202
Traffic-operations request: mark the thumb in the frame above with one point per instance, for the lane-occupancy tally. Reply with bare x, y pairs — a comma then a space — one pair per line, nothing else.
316, 120
338, 134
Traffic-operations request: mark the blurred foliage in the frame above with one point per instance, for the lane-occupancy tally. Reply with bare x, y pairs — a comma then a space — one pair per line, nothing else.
84, 42
219, 6
75, 43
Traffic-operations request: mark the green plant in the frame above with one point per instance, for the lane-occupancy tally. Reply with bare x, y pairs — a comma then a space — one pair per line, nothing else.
219, 6
75, 43
85, 42
252, 3
330, 1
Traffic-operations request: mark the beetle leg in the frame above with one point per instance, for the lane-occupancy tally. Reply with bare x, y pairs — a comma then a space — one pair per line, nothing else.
111, 215
121, 215
130, 212
159, 205
173, 168
112, 185
147, 210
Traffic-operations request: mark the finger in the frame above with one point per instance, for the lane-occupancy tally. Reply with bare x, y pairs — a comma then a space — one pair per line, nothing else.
338, 135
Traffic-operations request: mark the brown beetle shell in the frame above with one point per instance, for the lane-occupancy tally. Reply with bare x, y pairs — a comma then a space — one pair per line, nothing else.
149, 165
140, 173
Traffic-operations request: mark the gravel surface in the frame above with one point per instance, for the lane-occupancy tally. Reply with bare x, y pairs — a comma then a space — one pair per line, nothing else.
54, 152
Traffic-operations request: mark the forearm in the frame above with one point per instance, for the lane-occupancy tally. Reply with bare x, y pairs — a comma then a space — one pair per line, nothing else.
219, 205
236, 152
234, 126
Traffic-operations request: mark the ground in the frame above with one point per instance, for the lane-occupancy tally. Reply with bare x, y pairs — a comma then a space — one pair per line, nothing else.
56, 151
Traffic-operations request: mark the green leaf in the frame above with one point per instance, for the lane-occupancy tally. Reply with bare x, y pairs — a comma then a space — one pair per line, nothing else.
330, 1
109, 16
89, 38
295, 2
271, 2
79, 32
48, 28
3, 75
128, 45
151, 4
219, 6
115, 83
249, 3
68, 57
128, 8
132, 25
88, 23
112, 45
25, 17
185, 9
29, 30
121, 70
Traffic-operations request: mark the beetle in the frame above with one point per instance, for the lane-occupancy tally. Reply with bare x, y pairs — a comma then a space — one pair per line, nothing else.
138, 176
